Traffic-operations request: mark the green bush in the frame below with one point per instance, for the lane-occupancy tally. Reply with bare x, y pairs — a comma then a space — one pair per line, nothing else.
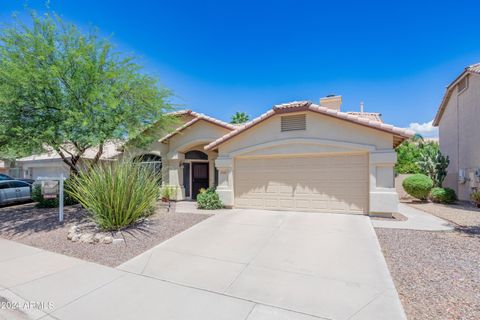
475, 196
443, 195
168, 192
209, 199
116, 194
418, 186
41, 202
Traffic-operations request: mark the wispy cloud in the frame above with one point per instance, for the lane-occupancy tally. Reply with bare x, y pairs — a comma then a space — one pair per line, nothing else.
426, 129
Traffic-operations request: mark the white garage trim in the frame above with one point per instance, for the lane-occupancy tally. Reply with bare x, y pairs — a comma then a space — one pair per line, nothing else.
311, 141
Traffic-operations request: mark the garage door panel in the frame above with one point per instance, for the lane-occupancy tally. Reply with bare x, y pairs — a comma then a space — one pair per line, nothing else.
310, 183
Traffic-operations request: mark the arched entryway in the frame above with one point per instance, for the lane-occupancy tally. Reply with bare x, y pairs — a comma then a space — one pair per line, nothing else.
196, 172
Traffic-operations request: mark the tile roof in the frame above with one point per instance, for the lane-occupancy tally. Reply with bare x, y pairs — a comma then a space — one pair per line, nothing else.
372, 116
309, 106
110, 150
198, 117
474, 68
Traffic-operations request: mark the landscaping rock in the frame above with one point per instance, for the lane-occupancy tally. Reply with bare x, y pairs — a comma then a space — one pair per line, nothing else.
118, 241
99, 238
108, 240
86, 238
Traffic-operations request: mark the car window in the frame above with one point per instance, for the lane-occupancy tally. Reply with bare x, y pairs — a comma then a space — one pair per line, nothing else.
5, 185
4, 177
18, 184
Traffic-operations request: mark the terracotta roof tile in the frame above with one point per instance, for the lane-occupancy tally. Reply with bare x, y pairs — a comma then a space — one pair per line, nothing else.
474, 68
111, 149
373, 116
309, 106
198, 116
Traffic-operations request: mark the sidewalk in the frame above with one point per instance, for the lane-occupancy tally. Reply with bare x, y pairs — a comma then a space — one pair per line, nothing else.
36, 284
417, 220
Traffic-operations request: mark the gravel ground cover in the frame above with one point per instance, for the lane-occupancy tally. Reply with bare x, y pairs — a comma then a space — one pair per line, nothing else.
462, 213
39, 227
437, 274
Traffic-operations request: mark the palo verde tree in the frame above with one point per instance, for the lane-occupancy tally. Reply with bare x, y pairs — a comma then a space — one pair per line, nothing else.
69, 91
239, 117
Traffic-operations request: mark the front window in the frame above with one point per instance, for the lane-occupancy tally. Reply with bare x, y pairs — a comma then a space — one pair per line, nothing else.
196, 155
151, 161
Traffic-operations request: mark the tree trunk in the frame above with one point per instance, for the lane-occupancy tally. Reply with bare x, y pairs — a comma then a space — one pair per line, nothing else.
71, 161
98, 155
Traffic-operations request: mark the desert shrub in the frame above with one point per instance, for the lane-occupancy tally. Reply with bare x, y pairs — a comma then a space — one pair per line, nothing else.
41, 202
168, 192
475, 196
116, 194
443, 195
208, 199
418, 186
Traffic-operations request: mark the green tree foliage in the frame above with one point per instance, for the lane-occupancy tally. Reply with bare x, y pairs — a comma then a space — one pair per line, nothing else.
409, 153
240, 117
69, 91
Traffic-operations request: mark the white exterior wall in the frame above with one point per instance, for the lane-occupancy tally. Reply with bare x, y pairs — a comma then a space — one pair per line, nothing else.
323, 135
34, 169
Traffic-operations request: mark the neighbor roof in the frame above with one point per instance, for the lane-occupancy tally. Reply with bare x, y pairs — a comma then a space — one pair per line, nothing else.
198, 117
473, 69
372, 116
110, 150
399, 133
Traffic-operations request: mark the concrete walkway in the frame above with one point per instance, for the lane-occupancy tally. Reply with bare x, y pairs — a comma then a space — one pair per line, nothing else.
252, 265
417, 220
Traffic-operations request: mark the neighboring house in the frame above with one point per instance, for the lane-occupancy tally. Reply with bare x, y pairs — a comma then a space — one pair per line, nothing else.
50, 164
297, 156
3, 167
458, 119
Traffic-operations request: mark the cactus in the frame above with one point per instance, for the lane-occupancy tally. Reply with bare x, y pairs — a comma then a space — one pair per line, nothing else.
434, 164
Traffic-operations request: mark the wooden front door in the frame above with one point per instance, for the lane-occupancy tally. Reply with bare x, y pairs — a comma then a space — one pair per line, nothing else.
199, 177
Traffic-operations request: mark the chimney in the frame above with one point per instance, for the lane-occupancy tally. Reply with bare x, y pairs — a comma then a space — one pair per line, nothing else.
332, 102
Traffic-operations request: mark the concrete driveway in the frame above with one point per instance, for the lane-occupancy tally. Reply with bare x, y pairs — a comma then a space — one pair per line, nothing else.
291, 265
236, 265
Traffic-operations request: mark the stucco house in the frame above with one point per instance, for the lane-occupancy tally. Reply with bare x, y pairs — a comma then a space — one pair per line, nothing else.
50, 164
458, 118
3, 166
296, 156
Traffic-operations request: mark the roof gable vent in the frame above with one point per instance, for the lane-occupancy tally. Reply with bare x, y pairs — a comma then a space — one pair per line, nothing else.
294, 122
462, 85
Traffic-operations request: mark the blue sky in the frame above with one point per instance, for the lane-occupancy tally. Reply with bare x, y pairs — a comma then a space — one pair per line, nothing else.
225, 56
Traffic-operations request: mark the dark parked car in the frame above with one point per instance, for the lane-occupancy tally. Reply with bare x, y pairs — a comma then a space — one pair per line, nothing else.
4, 177
14, 191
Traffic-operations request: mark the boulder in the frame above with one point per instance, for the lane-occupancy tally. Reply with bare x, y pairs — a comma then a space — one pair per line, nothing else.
86, 238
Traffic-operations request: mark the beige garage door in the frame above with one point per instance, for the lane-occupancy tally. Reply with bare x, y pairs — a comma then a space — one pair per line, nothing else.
306, 183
